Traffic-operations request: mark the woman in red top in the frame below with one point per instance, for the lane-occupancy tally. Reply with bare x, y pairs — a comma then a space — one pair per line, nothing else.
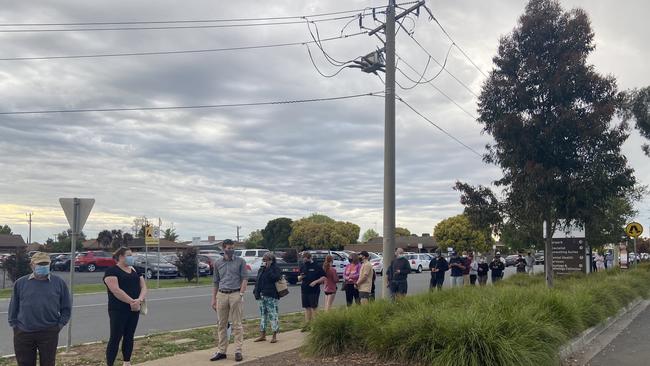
350, 276
331, 279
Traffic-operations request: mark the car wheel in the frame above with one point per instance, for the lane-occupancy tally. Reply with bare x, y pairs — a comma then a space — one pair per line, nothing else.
420, 269
149, 274
91, 267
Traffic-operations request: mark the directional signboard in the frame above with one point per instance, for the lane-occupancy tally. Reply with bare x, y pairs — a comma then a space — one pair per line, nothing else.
569, 255
150, 236
634, 229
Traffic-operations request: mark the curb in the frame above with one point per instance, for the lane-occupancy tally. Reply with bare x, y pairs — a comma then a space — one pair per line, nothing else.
587, 337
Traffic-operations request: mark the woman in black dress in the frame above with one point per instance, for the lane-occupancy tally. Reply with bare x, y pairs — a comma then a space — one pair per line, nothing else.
126, 292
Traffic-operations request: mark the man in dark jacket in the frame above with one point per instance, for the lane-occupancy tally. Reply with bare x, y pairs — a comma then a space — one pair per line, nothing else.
482, 271
520, 263
457, 266
397, 275
266, 294
497, 267
438, 267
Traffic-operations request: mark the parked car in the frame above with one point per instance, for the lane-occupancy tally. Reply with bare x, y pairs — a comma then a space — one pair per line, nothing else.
91, 261
150, 267
377, 262
253, 267
511, 260
251, 253
61, 262
539, 258
53, 257
204, 268
318, 256
290, 270
210, 260
419, 261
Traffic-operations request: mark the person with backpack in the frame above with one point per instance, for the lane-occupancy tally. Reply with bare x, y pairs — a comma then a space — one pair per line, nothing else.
267, 296
497, 267
397, 275
438, 267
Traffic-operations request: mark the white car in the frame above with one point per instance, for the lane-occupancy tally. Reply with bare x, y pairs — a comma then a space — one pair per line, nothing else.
419, 261
377, 262
250, 254
339, 263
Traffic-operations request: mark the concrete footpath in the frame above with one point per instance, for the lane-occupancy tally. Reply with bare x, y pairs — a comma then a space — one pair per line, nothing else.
251, 351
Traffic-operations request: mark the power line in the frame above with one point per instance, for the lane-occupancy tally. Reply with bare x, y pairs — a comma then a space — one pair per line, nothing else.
456, 44
420, 81
435, 87
234, 25
439, 128
26, 58
447, 71
205, 106
176, 21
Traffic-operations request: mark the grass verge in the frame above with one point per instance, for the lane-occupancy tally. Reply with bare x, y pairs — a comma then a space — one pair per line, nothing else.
162, 345
152, 284
518, 322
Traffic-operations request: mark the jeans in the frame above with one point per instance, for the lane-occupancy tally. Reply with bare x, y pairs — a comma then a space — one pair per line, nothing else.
456, 281
472, 279
269, 314
436, 282
482, 280
123, 324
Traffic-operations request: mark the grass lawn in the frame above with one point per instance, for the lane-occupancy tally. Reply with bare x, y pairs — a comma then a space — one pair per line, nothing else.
162, 345
99, 287
518, 322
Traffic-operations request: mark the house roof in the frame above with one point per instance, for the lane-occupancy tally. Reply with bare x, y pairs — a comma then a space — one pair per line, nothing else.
137, 243
11, 242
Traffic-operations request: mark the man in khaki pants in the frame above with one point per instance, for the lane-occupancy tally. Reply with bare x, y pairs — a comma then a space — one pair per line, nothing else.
230, 282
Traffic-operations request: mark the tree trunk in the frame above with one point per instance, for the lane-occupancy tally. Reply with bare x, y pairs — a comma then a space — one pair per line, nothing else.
548, 254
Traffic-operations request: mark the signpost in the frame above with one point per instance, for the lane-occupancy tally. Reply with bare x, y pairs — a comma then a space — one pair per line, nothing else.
569, 256
634, 230
150, 238
76, 211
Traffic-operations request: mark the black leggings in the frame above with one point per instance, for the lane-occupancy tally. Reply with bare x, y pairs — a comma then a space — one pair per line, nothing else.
351, 293
123, 324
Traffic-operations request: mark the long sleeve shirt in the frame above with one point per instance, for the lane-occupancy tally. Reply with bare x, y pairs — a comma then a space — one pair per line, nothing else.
39, 304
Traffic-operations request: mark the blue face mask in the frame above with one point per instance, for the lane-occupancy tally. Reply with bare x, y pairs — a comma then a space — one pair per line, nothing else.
130, 260
42, 270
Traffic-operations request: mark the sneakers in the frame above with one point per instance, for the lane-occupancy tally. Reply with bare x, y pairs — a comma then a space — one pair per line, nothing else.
218, 356
238, 357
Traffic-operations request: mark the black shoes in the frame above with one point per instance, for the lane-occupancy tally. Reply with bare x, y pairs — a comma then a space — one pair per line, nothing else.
218, 356
238, 357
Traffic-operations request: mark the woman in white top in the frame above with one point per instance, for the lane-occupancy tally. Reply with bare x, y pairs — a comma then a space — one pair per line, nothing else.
473, 271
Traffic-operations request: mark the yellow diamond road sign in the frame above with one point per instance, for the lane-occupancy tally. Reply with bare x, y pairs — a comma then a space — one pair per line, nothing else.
634, 229
149, 236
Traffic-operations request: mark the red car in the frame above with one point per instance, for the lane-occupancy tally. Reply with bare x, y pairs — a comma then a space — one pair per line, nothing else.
91, 261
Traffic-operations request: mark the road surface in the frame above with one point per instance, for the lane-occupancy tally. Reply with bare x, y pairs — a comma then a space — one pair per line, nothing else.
177, 308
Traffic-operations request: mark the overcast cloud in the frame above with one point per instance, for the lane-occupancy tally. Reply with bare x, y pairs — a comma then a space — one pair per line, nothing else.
209, 170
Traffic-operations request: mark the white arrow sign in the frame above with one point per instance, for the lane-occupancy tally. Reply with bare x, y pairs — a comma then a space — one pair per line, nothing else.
85, 206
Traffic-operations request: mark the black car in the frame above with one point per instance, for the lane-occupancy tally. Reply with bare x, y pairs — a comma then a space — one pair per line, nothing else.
61, 262
150, 267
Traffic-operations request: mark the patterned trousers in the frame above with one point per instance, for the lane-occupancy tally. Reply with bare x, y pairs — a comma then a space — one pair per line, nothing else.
269, 309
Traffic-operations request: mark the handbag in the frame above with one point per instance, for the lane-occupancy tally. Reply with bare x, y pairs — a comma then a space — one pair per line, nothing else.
143, 307
282, 287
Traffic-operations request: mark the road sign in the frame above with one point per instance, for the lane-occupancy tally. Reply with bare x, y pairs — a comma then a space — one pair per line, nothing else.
149, 236
85, 206
634, 229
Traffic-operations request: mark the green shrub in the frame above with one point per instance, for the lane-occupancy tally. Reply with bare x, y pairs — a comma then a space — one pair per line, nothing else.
518, 322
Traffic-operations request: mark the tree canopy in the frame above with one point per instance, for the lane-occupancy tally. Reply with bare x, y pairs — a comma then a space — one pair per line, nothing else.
5, 230
255, 240
369, 234
402, 231
458, 233
276, 233
170, 234
322, 232
636, 106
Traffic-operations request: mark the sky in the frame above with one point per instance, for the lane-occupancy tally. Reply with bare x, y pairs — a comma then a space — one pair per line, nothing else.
207, 171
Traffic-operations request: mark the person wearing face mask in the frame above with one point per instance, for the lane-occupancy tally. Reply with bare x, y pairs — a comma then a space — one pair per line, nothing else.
397, 275
311, 275
364, 283
40, 306
126, 291
473, 270
467, 261
266, 294
438, 267
482, 271
230, 283
497, 267
457, 266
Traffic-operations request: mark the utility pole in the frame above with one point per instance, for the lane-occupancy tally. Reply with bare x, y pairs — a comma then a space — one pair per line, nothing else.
29, 215
238, 228
389, 130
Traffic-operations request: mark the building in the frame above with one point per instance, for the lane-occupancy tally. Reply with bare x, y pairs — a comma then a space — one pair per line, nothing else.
10, 242
413, 243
